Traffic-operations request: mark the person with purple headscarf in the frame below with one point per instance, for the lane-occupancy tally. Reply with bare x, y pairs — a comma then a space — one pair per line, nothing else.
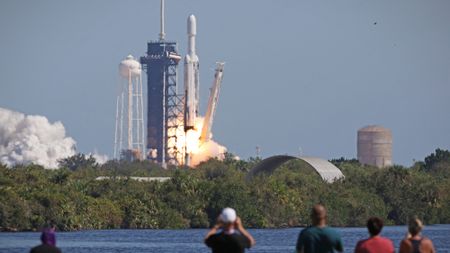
48, 240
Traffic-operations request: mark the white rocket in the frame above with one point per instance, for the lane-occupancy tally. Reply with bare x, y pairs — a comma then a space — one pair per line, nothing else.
191, 77
191, 89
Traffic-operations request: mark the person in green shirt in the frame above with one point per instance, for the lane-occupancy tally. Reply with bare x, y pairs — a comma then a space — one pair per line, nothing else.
319, 238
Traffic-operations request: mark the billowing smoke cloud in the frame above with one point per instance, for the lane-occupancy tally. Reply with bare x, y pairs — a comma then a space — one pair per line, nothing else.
207, 150
202, 151
26, 139
99, 158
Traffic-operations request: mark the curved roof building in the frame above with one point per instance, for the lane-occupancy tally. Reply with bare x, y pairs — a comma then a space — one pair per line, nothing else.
326, 170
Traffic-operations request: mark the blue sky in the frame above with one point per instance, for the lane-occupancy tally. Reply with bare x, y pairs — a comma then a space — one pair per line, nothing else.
299, 74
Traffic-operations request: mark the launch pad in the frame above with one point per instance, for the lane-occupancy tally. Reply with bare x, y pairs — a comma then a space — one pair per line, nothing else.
175, 131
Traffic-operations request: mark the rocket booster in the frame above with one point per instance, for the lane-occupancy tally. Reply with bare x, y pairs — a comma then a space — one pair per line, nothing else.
212, 104
191, 77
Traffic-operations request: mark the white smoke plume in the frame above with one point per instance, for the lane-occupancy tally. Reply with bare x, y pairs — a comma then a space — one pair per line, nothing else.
99, 158
207, 150
201, 152
26, 139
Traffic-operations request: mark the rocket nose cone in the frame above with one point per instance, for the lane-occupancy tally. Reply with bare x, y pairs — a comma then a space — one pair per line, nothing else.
191, 18
192, 25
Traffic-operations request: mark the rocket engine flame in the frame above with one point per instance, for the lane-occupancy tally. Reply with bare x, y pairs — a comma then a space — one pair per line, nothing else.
190, 142
202, 151
193, 137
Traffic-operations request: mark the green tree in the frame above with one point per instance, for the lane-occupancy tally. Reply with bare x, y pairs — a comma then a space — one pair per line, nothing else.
78, 161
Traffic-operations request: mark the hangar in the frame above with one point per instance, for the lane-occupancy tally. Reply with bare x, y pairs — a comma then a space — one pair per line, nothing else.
326, 170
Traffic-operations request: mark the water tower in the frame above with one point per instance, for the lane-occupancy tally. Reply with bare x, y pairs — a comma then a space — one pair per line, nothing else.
129, 131
375, 146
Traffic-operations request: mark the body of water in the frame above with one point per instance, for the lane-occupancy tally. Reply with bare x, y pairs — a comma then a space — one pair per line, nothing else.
191, 240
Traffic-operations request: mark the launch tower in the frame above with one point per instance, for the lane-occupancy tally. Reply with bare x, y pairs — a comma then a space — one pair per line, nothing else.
165, 106
176, 134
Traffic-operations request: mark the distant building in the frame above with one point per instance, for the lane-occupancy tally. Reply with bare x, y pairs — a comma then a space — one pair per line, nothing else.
374, 146
140, 179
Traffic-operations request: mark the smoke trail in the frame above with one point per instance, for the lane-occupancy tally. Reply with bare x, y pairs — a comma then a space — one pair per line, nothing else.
26, 139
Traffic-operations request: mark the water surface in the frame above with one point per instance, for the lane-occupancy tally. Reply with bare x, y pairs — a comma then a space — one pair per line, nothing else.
191, 240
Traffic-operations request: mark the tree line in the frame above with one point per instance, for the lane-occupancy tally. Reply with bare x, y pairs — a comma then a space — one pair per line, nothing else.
31, 197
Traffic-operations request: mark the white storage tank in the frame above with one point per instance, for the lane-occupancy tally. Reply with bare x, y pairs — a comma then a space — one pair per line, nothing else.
374, 146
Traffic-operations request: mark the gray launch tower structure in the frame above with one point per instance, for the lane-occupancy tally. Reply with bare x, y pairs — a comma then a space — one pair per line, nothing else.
164, 105
171, 116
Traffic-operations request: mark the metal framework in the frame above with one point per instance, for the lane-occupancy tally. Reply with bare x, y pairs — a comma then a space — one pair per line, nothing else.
165, 106
174, 115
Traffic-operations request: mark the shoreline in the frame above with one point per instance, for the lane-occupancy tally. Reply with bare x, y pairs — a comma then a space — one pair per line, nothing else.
3, 230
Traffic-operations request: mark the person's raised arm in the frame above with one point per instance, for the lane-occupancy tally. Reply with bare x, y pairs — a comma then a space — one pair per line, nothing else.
214, 229
244, 232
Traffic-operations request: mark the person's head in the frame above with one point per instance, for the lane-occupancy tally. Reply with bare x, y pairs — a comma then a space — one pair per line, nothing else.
228, 217
53, 225
374, 225
318, 214
48, 237
415, 226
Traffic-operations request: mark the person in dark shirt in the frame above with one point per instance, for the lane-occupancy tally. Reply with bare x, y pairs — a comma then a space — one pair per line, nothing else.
233, 238
319, 238
48, 240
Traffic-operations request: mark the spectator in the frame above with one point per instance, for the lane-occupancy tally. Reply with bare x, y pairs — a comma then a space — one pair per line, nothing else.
48, 245
319, 238
415, 242
229, 240
375, 243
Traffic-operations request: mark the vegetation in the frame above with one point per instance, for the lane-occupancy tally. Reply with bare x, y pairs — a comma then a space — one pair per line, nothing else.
31, 196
